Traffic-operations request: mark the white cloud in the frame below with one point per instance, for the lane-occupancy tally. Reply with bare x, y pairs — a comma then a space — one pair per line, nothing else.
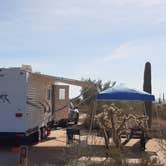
142, 3
121, 52
145, 47
53, 13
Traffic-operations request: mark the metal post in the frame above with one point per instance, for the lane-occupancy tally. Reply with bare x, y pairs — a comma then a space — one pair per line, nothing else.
23, 156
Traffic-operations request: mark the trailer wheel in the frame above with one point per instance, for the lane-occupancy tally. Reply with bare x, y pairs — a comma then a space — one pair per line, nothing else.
43, 133
35, 137
24, 141
64, 123
48, 131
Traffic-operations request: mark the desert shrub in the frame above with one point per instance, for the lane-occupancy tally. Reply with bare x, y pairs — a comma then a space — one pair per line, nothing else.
161, 108
147, 161
87, 123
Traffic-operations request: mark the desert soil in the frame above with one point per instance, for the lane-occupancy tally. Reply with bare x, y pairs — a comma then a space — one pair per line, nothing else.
54, 151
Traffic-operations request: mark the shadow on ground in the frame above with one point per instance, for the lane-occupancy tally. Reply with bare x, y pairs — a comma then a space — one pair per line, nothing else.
63, 155
52, 156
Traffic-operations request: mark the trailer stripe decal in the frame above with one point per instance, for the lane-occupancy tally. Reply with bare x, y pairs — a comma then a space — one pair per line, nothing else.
4, 98
33, 104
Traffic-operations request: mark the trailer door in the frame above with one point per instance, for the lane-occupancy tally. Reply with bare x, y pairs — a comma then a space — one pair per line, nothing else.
60, 102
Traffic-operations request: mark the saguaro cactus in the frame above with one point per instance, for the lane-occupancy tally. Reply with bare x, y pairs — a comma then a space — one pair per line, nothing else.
147, 87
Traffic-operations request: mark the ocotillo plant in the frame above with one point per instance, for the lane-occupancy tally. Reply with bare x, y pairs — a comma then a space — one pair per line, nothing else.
147, 87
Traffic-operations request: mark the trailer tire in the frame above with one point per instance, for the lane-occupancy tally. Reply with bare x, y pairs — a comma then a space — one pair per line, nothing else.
35, 137
43, 132
64, 123
48, 131
24, 141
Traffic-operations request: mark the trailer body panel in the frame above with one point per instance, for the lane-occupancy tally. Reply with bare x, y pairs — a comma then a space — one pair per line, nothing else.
13, 100
25, 102
38, 101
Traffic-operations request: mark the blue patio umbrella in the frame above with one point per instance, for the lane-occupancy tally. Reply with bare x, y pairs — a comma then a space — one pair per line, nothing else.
123, 93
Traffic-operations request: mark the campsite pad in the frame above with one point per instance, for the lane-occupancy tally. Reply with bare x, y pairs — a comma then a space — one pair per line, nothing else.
56, 152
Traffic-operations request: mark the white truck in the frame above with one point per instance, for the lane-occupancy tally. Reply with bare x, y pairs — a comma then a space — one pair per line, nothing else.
26, 102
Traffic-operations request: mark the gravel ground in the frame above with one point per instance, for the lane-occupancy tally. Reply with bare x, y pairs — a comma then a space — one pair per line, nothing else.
156, 146
55, 152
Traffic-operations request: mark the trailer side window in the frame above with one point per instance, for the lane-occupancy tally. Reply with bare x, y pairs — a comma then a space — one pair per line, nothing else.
61, 94
49, 94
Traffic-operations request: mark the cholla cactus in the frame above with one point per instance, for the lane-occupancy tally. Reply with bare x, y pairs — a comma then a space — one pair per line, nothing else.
117, 121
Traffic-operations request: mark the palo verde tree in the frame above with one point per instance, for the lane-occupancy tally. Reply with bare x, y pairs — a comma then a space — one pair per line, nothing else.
147, 87
89, 94
89, 98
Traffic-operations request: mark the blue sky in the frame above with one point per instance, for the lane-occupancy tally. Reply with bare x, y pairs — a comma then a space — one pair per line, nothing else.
101, 39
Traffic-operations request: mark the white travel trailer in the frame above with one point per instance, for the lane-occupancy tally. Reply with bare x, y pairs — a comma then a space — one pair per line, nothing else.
27, 105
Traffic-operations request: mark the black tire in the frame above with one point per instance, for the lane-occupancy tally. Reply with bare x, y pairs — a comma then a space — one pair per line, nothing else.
63, 123
66, 123
35, 137
43, 133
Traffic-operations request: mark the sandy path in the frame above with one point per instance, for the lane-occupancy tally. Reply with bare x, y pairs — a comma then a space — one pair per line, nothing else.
155, 145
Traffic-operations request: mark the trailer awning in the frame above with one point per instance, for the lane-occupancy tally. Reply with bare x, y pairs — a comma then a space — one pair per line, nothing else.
123, 93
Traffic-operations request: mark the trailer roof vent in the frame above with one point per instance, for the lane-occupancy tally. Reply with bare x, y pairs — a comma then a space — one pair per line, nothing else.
27, 68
